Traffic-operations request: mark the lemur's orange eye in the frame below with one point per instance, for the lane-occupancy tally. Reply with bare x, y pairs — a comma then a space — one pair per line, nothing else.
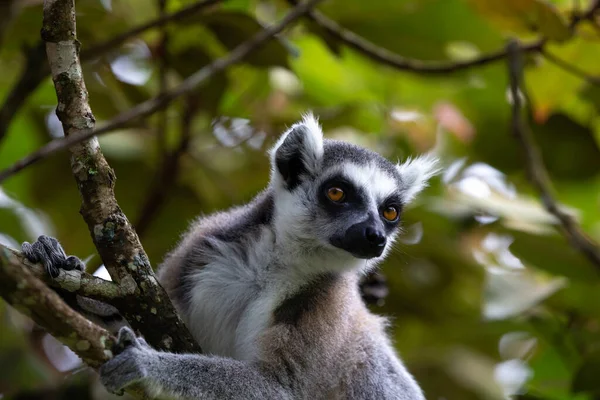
390, 213
335, 194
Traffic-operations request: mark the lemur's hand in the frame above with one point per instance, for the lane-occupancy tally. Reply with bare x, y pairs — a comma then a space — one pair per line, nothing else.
130, 364
50, 253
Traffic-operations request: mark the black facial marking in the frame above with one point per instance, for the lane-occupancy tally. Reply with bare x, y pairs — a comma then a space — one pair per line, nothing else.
291, 310
367, 236
392, 201
355, 199
288, 158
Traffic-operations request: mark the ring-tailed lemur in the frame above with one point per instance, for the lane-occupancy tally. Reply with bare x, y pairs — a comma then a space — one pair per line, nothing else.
269, 289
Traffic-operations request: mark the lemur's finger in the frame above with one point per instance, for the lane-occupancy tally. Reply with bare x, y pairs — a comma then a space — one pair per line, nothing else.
29, 253
56, 246
53, 249
38, 253
49, 258
125, 339
73, 262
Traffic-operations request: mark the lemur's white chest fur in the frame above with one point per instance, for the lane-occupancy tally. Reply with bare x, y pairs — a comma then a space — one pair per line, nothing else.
225, 317
234, 296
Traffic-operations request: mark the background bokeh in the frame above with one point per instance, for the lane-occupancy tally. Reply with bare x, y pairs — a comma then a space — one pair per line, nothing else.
487, 297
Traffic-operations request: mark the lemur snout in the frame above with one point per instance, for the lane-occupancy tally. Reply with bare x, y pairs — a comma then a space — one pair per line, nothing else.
375, 236
363, 240
372, 244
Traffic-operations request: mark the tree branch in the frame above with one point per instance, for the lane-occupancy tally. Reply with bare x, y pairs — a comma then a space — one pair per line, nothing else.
150, 106
384, 56
147, 307
74, 281
21, 289
399, 62
536, 171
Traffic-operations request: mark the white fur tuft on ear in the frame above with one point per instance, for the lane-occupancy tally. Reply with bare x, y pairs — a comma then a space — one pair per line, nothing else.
415, 174
315, 132
302, 142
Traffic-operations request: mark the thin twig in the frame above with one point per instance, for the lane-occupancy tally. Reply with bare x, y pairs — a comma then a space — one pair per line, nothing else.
588, 15
151, 106
399, 62
536, 171
570, 68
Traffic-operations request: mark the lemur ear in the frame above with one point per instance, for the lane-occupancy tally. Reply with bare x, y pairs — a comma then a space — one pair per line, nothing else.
298, 152
415, 174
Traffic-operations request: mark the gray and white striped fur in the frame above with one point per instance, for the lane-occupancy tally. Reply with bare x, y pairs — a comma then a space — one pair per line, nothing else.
270, 289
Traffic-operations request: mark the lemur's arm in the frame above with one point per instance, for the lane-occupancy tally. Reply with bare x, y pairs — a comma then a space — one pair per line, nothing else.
176, 375
187, 376
191, 376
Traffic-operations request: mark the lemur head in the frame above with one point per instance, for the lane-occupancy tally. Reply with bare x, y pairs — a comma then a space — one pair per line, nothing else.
338, 198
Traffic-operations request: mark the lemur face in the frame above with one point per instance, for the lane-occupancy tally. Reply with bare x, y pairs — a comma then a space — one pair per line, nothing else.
336, 195
359, 202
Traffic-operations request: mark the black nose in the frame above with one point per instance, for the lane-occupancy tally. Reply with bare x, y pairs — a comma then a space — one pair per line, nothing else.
365, 239
374, 236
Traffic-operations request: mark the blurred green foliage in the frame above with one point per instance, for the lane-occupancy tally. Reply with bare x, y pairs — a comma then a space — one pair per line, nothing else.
487, 298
